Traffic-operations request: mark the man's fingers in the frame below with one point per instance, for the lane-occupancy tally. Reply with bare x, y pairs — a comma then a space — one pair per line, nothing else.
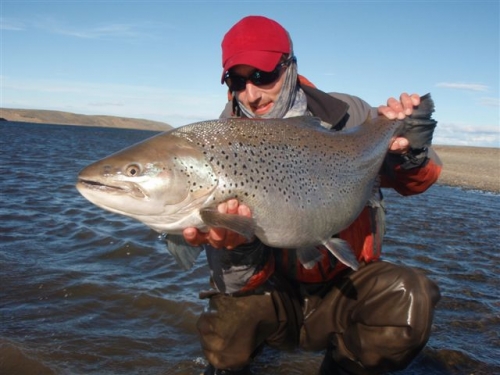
220, 237
194, 237
395, 105
399, 145
222, 207
217, 235
408, 102
232, 206
244, 210
415, 99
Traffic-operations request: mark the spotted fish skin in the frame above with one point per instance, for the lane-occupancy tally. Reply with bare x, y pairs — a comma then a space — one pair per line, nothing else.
302, 182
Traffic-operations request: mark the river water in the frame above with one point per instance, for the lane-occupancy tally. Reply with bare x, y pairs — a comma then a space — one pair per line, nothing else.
84, 291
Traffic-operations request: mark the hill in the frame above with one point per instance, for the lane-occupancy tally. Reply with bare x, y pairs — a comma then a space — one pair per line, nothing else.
67, 118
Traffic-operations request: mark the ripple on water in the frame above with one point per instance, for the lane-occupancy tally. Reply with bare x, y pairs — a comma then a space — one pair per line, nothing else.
84, 290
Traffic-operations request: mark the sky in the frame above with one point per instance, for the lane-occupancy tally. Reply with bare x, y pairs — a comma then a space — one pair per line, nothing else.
161, 60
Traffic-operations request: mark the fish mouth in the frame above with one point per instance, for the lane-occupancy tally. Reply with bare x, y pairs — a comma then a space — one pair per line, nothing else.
122, 188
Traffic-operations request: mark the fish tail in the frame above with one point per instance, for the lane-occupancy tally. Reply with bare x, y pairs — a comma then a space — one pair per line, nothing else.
419, 127
425, 109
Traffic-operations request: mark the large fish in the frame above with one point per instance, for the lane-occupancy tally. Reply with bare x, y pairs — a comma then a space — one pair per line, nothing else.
302, 182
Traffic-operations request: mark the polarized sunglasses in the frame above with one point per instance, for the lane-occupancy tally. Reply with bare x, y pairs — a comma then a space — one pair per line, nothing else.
236, 82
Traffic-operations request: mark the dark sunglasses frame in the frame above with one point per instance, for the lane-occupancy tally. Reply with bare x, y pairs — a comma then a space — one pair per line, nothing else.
236, 82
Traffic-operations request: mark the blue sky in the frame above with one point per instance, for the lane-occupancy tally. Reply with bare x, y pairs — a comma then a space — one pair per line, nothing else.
161, 60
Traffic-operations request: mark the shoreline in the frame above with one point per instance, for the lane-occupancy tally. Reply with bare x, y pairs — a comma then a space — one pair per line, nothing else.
467, 167
471, 168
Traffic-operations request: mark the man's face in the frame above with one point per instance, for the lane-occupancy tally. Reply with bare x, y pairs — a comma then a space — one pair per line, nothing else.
258, 99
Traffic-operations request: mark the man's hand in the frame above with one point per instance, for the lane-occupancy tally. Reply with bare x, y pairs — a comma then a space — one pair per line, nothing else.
399, 110
220, 237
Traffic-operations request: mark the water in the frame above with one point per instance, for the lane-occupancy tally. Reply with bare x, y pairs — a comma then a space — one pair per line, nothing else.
84, 291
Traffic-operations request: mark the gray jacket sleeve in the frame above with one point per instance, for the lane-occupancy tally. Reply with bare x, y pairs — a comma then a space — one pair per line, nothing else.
359, 110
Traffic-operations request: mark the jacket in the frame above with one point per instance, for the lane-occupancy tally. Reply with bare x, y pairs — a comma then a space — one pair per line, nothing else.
248, 267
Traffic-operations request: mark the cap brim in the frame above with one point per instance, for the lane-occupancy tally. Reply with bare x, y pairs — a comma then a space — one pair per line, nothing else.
261, 60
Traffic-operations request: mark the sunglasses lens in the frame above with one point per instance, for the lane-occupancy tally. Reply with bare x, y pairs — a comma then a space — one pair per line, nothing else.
235, 82
263, 78
258, 78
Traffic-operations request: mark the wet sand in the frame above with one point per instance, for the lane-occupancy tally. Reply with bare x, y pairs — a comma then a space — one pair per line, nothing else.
470, 167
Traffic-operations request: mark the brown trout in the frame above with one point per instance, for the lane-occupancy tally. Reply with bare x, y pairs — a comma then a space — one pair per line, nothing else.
302, 182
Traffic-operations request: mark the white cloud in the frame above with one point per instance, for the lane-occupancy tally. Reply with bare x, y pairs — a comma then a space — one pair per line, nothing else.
175, 107
467, 135
463, 86
106, 104
489, 102
11, 24
97, 31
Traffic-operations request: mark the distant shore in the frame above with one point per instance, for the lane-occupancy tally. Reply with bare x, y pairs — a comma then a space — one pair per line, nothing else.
68, 118
463, 166
470, 167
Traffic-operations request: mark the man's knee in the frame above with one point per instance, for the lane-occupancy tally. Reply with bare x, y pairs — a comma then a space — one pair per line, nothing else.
232, 328
377, 319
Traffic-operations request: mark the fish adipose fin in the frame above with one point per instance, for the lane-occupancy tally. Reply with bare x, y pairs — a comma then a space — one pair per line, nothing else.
342, 251
236, 223
308, 257
184, 254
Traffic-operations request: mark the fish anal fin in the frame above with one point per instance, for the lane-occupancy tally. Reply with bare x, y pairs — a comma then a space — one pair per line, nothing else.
309, 256
235, 223
184, 254
341, 250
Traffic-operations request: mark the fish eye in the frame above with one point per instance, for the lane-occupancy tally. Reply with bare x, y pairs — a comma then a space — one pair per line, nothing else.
132, 170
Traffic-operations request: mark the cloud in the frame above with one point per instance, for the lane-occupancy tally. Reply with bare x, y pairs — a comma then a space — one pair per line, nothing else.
463, 86
52, 25
106, 104
467, 135
99, 32
11, 24
489, 102
153, 103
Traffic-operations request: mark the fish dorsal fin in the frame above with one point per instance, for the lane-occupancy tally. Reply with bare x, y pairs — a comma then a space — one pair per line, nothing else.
236, 223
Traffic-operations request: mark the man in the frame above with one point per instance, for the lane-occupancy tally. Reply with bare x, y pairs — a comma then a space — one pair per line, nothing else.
369, 321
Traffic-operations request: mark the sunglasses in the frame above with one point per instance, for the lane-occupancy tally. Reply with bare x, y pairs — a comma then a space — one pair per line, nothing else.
236, 82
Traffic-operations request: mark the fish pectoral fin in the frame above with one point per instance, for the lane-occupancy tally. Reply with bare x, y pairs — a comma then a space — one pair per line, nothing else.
341, 250
184, 254
309, 256
235, 223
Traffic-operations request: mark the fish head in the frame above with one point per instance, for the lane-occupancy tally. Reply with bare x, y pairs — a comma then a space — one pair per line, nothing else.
161, 182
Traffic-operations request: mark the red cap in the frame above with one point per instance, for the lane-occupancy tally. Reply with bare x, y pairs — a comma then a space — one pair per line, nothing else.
256, 41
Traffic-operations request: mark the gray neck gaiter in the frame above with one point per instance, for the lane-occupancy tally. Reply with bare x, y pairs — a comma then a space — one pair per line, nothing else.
291, 99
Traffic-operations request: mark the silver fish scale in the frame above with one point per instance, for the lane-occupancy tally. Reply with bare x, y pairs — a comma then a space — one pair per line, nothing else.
302, 182
280, 166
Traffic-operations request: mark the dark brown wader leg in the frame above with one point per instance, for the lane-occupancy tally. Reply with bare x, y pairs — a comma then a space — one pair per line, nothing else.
375, 320
232, 329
